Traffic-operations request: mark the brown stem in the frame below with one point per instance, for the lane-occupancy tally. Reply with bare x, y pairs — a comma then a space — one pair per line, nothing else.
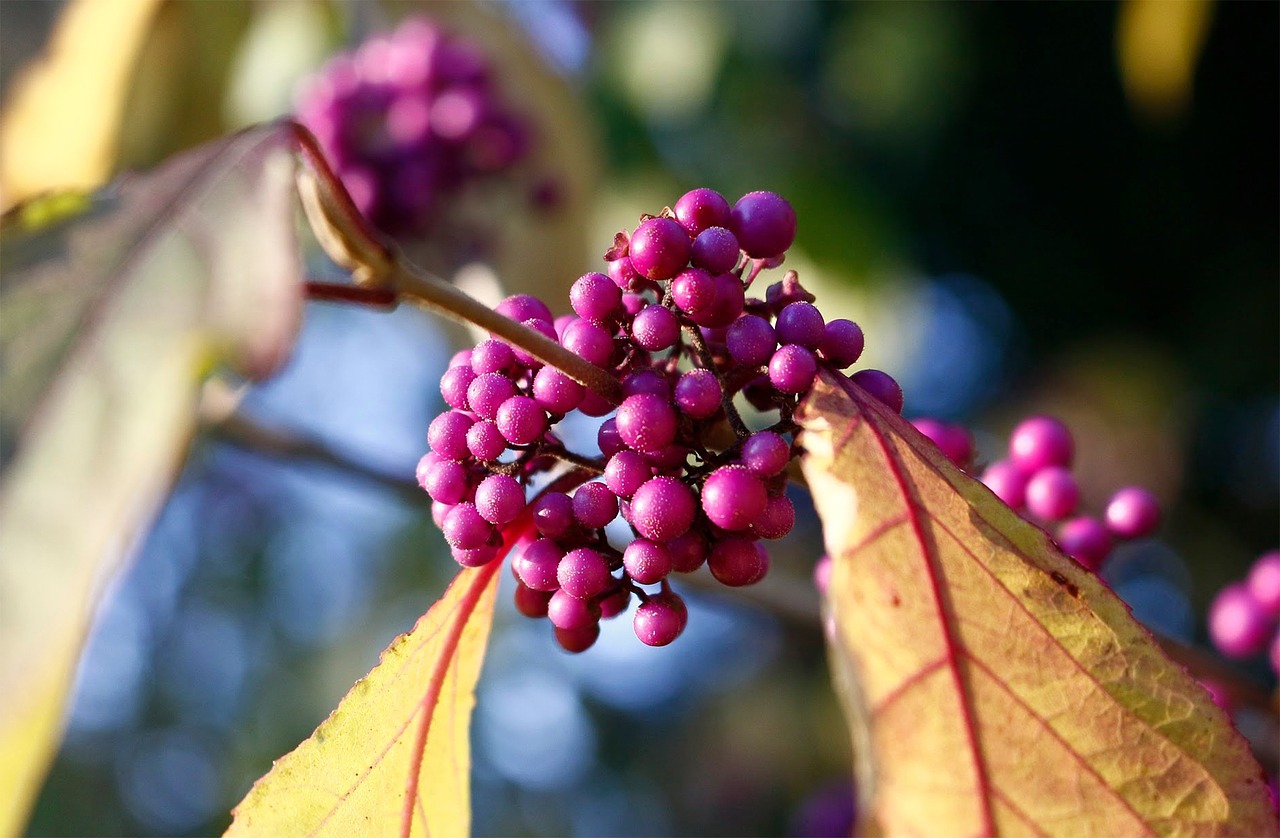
337, 292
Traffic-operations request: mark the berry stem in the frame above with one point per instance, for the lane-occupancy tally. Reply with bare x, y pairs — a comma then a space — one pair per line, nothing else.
726, 397
590, 464
337, 292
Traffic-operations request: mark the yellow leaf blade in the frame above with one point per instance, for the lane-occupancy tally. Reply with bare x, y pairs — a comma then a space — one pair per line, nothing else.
394, 757
993, 684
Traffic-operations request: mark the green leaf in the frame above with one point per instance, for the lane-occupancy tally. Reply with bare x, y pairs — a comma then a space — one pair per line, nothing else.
111, 319
992, 684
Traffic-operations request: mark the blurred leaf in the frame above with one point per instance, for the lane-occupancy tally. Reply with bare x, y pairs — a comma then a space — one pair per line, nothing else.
1159, 43
394, 758
61, 126
111, 318
994, 685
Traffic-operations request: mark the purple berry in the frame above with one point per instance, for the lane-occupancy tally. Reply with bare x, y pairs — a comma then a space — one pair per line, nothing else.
662, 509
694, 290
590, 341
531, 603
521, 420
698, 394
701, 208
671, 457
465, 529
499, 498
492, 355
1086, 540
729, 302
553, 514
594, 505
474, 557
1008, 482
608, 439
688, 552
646, 423
622, 273
576, 640
1133, 512
595, 405
841, 344
737, 560
660, 248
1039, 442
733, 497
522, 307
716, 251
556, 392
764, 223
1052, 494
792, 369
453, 386
955, 441
487, 393
655, 328
647, 562
583, 573
542, 327
538, 564
751, 340
446, 481
485, 441
1264, 583
881, 386
625, 472
613, 604
822, 573
595, 297
778, 518
568, 612
646, 381
660, 620
1237, 623
801, 323
766, 453
447, 435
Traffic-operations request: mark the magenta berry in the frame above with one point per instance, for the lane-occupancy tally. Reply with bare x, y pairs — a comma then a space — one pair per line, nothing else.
553, 514
660, 620
1264, 583
766, 453
733, 497
583, 573
499, 498
1039, 442
663, 508
647, 562
1052, 493
954, 441
646, 422
655, 328
694, 291
447, 435
660, 248
595, 297
751, 340
764, 223
737, 561
571, 613
531, 603
698, 394
1086, 540
880, 385
1238, 625
841, 344
777, 519
465, 529
1008, 482
594, 505
699, 209
537, 565
625, 473
716, 251
1132, 512
792, 369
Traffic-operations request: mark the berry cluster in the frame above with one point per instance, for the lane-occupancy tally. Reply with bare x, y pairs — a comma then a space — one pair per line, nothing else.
672, 321
1035, 480
408, 118
1245, 616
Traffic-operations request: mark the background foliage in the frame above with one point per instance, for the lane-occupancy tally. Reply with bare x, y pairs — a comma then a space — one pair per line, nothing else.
1018, 221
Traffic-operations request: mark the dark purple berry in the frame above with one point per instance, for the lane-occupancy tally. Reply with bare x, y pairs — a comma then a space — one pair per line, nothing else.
688, 552
841, 344
608, 439
660, 248
801, 323
552, 514
698, 394
716, 251
576, 640
764, 223
594, 505
766, 453
778, 518
738, 560
531, 603
880, 385
646, 381
792, 369
751, 340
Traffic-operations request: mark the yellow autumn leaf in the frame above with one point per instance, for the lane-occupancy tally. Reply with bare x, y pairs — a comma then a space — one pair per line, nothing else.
394, 757
992, 684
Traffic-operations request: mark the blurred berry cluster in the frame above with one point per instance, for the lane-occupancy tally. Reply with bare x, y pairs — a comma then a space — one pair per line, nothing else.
673, 322
1244, 618
409, 119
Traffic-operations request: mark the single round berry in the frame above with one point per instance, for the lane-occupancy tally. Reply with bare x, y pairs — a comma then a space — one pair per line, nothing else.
778, 518
1237, 623
751, 340
662, 509
647, 562
954, 441
716, 251
737, 560
447, 435
622, 273
425, 465
698, 394
625, 472
1086, 540
655, 328
733, 497
485, 441
487, 393
646, 423
492, 355
556, 392
465, 528
522, 307
475, 557
608, 438
688, 551
694, 291
801, 323
766, 453
646, 381
595, 297
1039, 442
499, 498
1052, 494
583, 573
571, 613
552, 514
531, 603
792, 369
764, 223
701, 208
537, 565
660, 248
1133, 512
576, 640
590, 341
453, 386
521, 420
446, 481
594, 505
729, 302
881, 386
1008, 482
1263, 583
660, 620
841, 344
